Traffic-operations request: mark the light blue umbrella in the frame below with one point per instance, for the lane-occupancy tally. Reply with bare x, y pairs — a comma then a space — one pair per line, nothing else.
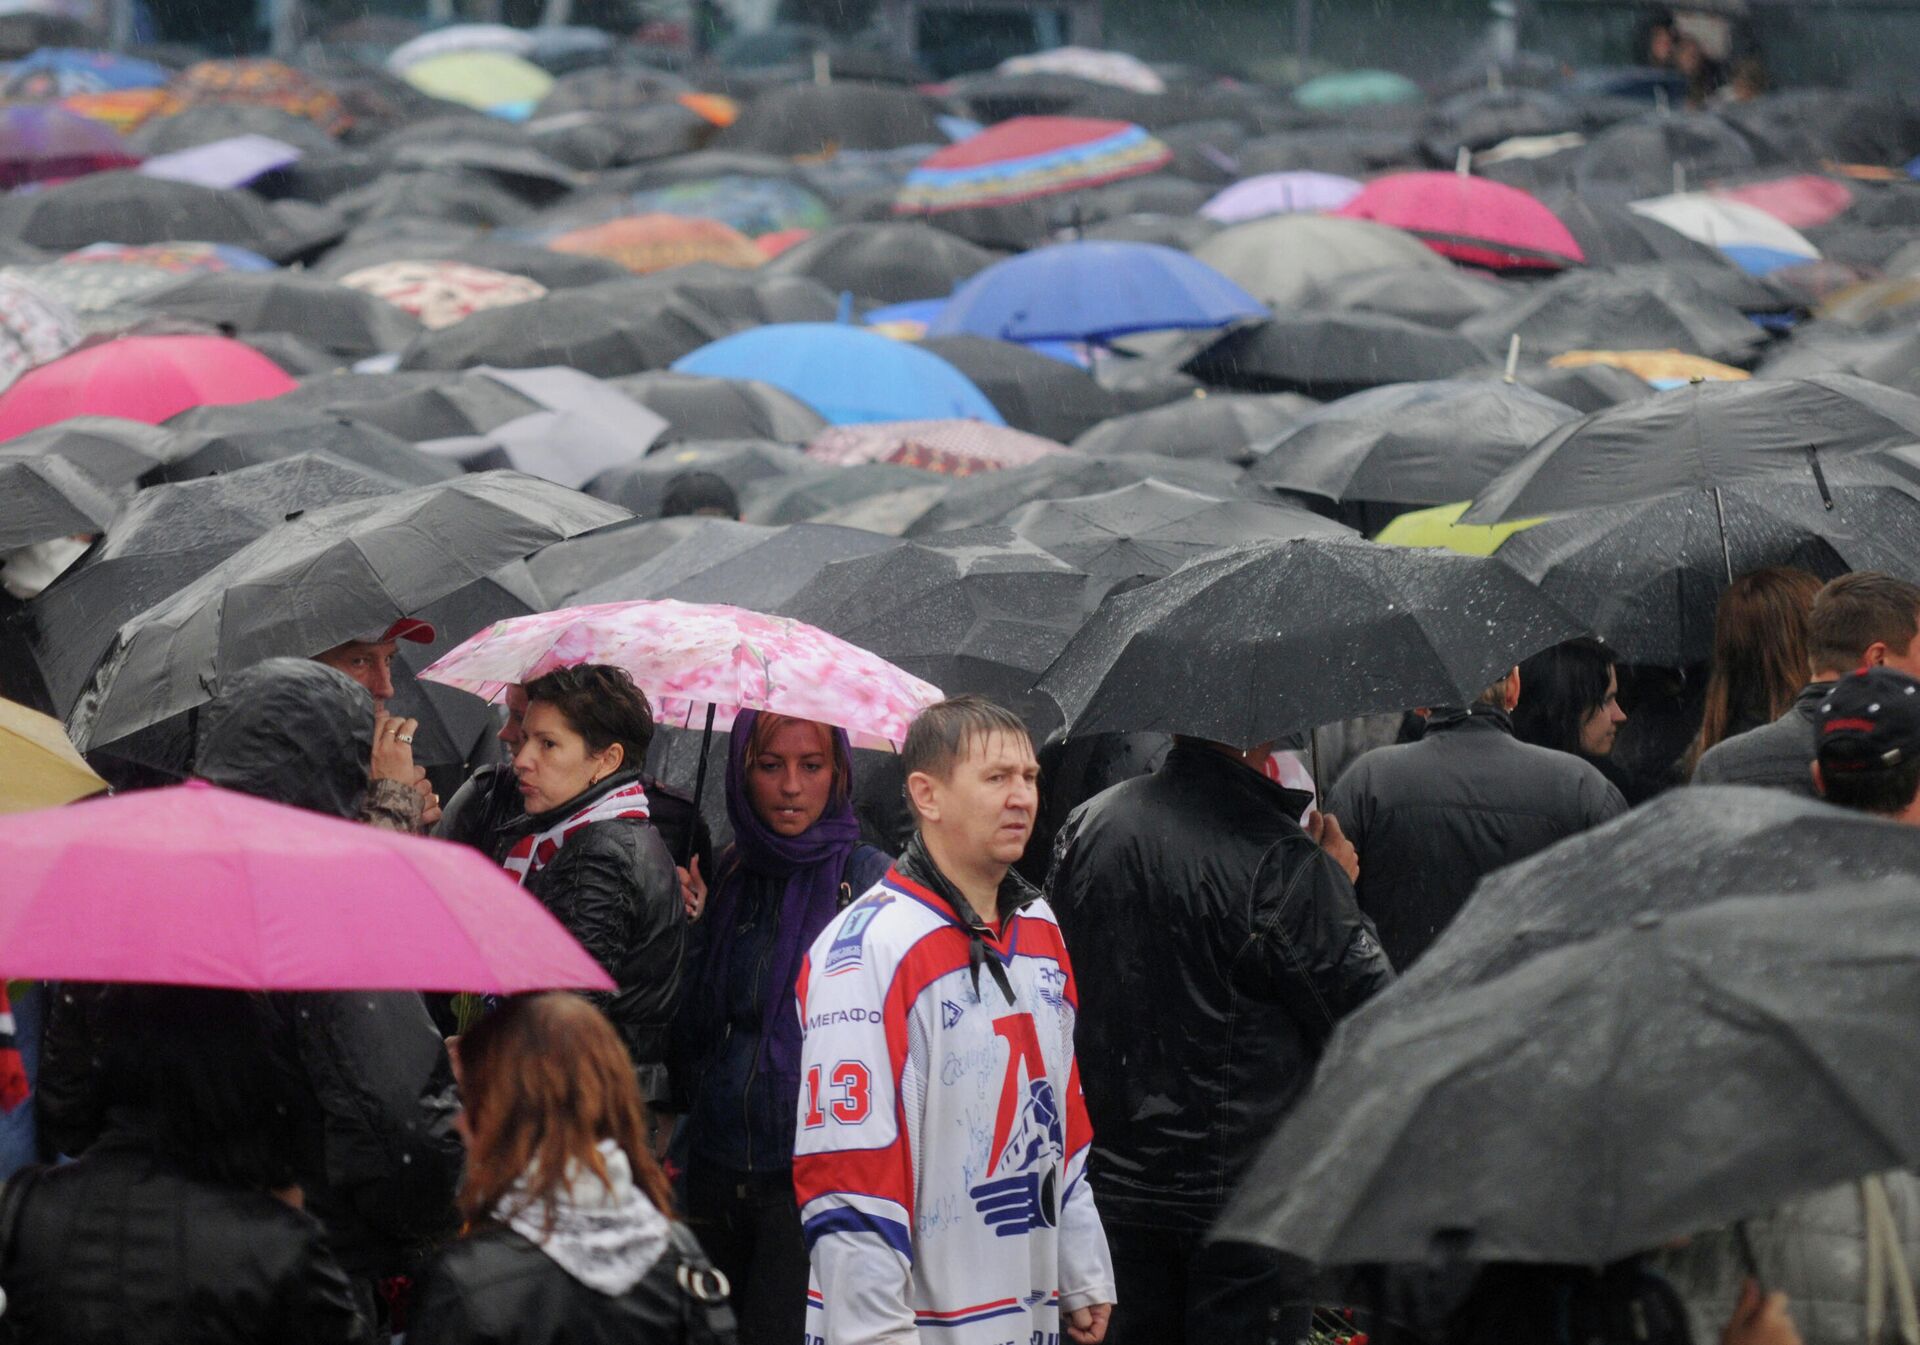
849, 375
1093, 291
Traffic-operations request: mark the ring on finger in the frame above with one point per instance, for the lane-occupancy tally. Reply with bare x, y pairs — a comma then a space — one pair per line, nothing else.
404, 737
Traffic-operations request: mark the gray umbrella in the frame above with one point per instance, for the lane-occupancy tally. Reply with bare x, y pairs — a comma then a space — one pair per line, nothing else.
1332, 354
328, 576
1632, 308
344, 321
1222, 427
642, 486
1287, 259
585, 329
568, 568
1702, 436
44, 497
761, 573
112, 451
702, 408
1409, 443
892, 262
798, 497
216, 449
1605, 1098
991, 497
127, 207
1444, 298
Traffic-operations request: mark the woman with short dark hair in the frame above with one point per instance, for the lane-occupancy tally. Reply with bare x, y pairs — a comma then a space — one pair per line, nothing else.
587, 850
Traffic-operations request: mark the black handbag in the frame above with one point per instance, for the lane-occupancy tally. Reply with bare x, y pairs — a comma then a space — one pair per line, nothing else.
13, 1201
706, 1315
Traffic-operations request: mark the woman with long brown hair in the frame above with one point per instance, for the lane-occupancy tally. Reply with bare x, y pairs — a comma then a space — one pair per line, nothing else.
1759, 654
570, 1229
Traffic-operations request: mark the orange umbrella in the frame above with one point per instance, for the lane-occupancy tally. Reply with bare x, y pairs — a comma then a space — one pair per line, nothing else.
717, 108
645, 243
1654, 365
123, 109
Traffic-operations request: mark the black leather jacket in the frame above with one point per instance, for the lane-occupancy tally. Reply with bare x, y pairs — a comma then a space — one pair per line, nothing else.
1216, 946
613, 886
120, 1249
496, 1288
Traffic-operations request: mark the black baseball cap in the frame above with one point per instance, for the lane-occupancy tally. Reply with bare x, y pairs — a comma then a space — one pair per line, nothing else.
1870, 721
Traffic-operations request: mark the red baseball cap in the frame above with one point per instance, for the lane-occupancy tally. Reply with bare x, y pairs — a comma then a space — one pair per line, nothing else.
406, 628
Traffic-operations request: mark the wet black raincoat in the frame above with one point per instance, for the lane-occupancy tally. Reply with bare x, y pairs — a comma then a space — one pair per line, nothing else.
1229, 945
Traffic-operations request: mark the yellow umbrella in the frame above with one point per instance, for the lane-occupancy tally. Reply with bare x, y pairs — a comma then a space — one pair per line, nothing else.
38, 766
481, 79
1654, 365
1438, 527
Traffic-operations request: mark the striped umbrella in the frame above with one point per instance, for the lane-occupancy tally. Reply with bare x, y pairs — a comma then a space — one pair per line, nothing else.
1029, 157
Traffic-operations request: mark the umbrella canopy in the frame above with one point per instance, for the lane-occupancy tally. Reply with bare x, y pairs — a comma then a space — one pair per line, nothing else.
344, 321
1649, 154
829, 494
40, 143
1285, 259
801, 119
43, 497
262, 83
690, 658
892, 261
128, 207
1034, 392
756, 206
491, 81
1150, 529
699, 407
1443, 298
847, 374
1633, 306
1699, 437
1613, 235
1469, 219
949, 447
643, 485
459, 37
658, 242
232, 162
1409, 443
34, 328
56, 72
1754, 240
1440, 526
603, 333
1093, 291
441, 293
1221, 427
325, 577
1333, 354
1280, 194
1027, 157
110, 451
764, 566
992, 498
38, 766
252, 895
1799, 200
1116, 68
1647, 577
1261, 640
144, 378
1747, 1051
1342, 89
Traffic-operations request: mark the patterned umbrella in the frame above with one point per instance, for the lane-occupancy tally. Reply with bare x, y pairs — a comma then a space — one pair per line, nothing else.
262, 83
33, 329
105, 276
753, 205
646, 243
442, 293
57, 72
693, 658
950, 447
1027, 157
124, 110
43, 143
1116, 68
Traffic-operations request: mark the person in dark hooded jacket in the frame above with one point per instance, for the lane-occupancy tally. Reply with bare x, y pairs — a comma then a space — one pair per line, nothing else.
1230, 944
377, 1152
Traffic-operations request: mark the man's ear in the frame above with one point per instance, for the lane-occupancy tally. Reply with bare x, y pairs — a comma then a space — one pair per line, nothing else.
1513, 689
1875, 655
923, 792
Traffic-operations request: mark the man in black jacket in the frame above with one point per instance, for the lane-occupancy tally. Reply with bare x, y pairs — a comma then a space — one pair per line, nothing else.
1227, 944
1430, 818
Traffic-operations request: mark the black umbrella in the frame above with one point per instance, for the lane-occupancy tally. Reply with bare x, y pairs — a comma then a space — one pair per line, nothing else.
1632, 308
991, 497
1647, 577
415, 405
1329, 355
892, 261
1409, 443
204, 123
1700, 437
1034, 392
642, 486
973, 611
509, 159
43, 497
112, 451
699, 408
1150, 529
1263, 641
309, 584
1222, 427
758, 572
582, 329
129, 207
1584, 387
797, 119
700, 167
1606, 1098
1661, 153
1811, 124
1185, 232
1612, 235
167, 537
1347, 151
227, 443
1433, 298
564, 569
799, 497
343, 321
1481, 118
738, 299
454, 194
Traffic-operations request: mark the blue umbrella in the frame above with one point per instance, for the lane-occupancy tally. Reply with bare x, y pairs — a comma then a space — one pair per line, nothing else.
1093, 291
849, 375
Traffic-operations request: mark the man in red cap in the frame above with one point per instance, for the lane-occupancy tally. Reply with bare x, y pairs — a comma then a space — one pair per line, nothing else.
369, 662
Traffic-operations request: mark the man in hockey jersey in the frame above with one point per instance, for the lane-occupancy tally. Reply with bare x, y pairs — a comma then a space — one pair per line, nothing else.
941, 1142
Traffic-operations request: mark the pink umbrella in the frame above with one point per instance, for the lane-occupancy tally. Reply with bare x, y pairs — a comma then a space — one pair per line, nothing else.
236, 892
701, 657
1470, 219
144, 378
950, 447
1802, 200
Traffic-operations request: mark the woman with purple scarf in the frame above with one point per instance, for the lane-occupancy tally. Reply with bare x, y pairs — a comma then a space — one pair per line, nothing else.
796, 859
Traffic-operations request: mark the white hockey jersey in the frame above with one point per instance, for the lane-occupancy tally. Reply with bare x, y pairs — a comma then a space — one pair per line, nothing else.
941, 1146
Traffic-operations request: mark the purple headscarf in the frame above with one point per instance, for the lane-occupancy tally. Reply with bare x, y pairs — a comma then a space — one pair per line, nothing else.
810, 864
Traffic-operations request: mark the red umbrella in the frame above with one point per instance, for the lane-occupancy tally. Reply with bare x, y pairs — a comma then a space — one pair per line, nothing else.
1470, 219
240, 893
1028, 157
144, 378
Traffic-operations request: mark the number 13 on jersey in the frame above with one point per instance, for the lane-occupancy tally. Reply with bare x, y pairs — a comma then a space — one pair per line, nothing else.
852, 1094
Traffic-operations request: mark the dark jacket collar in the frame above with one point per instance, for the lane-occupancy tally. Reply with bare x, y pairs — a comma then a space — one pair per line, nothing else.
1221, 775
1016, 893
1809, 699
1478, 717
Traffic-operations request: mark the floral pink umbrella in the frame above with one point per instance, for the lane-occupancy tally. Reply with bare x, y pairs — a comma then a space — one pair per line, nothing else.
701, 660
950, 447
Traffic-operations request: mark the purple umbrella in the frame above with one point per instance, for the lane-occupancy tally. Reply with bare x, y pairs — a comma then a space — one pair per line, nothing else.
233, 162
1280, 194
41, 143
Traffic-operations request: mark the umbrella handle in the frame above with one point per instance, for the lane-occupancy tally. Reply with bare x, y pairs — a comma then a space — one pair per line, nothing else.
699, 788
1749, 1261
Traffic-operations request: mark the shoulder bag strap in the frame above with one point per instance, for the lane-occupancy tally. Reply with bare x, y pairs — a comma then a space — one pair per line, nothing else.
704, 1290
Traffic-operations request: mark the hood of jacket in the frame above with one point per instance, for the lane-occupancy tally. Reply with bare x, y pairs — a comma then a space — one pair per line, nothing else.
290, 731
607, 1235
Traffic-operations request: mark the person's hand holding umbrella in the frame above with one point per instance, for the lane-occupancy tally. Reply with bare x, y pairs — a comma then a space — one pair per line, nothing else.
1760, 1318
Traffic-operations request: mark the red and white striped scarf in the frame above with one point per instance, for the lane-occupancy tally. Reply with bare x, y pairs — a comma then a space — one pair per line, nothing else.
13, 1068
534, 851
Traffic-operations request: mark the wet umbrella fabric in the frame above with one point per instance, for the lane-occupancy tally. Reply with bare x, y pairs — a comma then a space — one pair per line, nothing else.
1626, 308
49, 143
1747, 1052
755, 206
38, 766
568, 568
1754, 240
1612, 235
334, 317
950, 447
1262, 641
35, 327
1027, 157
1443, 299
890, 261
823, 495
128, 207
144, 378
441, 293
1034, 392
1222, 427
802, 119
1280, 194
659, 242
1701, 436
1469, 219
43, 498
1333, 354
747, 567
230, 442
1285, 259
1150, 529
112, 452
992, 498
1093, 291
600, 333
1640, 157
1409, 443
251, 895
323, 578
697, 407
